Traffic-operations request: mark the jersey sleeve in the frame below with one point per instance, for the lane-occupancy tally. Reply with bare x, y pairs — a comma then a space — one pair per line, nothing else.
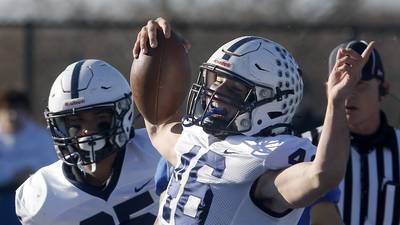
162, 176
289, 150
331, 196
142, 141
28, 199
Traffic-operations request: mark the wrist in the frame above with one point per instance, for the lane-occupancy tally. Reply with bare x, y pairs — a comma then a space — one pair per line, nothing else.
335, 107
336, 102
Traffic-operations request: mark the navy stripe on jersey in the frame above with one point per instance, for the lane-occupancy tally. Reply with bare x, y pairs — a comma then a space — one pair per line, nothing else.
237, 45
75, 80
348, 193
396, 207
364, 186
381, 198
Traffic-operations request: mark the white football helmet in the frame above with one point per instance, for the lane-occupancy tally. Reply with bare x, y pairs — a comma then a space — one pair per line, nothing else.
88, 85
274, 89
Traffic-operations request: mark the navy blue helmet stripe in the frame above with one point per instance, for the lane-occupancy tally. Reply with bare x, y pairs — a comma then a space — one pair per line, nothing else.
237, 45
75, 80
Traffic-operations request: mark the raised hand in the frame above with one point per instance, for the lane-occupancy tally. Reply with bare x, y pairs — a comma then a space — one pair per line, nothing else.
148, 34
347, 72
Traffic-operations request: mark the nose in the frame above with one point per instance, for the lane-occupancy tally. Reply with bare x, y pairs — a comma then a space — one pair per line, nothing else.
220, 88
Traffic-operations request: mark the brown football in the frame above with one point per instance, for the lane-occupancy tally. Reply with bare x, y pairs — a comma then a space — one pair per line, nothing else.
160, 79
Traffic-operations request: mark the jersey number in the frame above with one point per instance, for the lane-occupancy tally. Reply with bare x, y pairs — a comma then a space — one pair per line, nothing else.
298, 156
195, 199
123, 211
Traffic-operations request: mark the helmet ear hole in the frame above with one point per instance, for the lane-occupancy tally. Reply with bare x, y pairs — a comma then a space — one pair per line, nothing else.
275, 114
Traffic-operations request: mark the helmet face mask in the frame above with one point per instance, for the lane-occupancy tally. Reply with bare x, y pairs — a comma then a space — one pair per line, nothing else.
217, 105
272, 89
105, 99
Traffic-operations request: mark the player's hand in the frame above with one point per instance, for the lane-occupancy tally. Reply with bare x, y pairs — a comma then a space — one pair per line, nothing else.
347, 72
148, 34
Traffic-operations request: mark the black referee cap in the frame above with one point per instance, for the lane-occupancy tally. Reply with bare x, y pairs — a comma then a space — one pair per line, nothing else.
372, 69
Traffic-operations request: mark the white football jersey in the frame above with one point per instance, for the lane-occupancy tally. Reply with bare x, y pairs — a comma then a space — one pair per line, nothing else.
51, 196
213, 179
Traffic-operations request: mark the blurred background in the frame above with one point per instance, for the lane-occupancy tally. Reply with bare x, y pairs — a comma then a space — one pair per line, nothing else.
39, 38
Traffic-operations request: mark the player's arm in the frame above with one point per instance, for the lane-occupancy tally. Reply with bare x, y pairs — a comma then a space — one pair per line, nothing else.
303, 183
325, 213
163, 135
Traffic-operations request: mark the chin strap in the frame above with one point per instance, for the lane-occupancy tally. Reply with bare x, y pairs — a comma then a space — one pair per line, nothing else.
84, 169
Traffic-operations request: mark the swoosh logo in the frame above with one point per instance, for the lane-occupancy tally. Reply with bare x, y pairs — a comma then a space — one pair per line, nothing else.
260, 68
229, 152
137, 189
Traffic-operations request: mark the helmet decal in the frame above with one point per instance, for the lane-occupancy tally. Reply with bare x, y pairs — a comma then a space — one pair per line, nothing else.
75, 80
235, 46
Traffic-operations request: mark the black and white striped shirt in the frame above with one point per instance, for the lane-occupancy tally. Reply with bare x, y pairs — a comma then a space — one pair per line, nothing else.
370, 190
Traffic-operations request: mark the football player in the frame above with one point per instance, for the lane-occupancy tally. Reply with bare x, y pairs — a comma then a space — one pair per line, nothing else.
105, 172
235, 159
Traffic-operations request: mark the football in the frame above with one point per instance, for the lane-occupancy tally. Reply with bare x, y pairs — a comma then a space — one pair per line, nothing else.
160, 79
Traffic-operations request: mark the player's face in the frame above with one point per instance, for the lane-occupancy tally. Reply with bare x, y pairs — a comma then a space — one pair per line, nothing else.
364, 102
89, 122
228, 94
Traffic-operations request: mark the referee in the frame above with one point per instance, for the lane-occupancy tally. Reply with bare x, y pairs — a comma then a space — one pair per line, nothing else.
370, 190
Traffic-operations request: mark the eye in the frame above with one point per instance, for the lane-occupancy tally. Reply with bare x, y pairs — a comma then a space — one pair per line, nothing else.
104, 115
73, 121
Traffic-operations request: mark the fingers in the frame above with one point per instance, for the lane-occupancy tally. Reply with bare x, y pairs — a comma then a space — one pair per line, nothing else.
165, 26
343, 52
148, 35
347, 60
367, 52
152, 27
363, 58
143, 39
347, 72
136, 47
